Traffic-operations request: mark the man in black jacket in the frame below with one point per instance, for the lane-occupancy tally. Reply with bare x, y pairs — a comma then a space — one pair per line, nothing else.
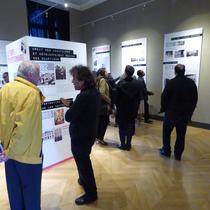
83, 118
178, 101
146, 93
128, 95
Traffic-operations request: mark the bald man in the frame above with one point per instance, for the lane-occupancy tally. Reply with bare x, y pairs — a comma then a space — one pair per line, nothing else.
178, 101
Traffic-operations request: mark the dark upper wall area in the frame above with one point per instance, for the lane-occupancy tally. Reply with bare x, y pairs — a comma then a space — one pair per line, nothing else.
13, 20
76, 33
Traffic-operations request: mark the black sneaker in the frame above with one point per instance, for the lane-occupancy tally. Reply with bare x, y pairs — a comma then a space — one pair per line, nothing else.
86, 199
163, 153
177, 157
121, 147
128, 147
148, 121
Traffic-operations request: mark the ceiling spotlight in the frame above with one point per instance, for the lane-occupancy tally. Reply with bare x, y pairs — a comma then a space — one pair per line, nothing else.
66, 5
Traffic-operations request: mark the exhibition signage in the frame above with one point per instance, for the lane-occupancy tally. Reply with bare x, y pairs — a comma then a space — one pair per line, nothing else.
182, 47
101, 57
134, 53
55, 58
3, 60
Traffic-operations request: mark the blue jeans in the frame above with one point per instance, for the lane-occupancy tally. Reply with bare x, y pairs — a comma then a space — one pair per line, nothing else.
181, 128
23, 185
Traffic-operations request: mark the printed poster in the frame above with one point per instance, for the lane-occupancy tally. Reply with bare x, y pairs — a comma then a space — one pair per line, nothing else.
134, 53
182, 47
4, 75
101, 58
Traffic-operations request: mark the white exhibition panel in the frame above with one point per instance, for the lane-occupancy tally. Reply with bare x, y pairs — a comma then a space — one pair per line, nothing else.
3, 60
182, 47
134, 53
55, 58
3, 57
101, 57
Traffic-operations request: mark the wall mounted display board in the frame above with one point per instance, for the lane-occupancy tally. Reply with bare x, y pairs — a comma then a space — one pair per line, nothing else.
3, 60
182, 47
55, 58
134, 53
101, 57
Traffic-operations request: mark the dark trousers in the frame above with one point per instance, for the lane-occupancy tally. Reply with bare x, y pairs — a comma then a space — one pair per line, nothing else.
85, 169
146, 111
102, 126
126, 131
23, 185
181, 128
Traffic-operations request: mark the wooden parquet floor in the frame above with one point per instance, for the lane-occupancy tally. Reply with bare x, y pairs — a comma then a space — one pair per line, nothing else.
136, 180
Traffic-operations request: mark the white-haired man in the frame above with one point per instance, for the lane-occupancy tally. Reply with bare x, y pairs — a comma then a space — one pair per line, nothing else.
20, 134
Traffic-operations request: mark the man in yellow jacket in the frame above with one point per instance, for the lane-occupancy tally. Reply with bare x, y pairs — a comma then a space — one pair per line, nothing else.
21, 137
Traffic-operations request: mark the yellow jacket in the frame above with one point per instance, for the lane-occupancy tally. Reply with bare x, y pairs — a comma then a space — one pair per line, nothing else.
103, 88
20, 121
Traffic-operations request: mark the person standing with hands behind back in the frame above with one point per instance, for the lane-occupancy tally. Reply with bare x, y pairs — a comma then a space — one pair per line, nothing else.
83, 117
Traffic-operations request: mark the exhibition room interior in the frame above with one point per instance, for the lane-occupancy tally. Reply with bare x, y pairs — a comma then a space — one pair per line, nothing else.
151, 35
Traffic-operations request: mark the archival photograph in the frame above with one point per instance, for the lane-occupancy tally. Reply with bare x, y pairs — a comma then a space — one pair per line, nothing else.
169, 53
192, 53
179, 54
59, 116
47, 74
58, 134
60, 72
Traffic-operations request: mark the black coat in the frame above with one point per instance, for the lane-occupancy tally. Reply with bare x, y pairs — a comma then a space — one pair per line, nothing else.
128, 95
145, 92
179, 98
83, 118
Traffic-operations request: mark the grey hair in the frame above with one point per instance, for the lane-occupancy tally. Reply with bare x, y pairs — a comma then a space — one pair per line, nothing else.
27, 67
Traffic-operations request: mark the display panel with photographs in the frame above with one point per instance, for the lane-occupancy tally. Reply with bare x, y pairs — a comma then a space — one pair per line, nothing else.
182, 47
4, 74
101, 57
55, 58
134, 53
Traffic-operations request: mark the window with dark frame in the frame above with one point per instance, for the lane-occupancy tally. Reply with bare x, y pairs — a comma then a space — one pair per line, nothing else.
53, 23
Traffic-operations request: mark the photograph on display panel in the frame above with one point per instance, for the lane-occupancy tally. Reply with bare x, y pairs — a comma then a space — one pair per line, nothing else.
60, 72
58, 134
47, 73
59, 116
